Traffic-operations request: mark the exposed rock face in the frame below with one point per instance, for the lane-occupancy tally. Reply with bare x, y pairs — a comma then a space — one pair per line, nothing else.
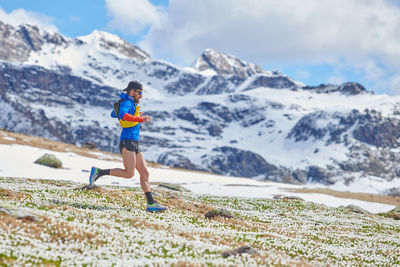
277, 82
348, 88
112, 42
236, 162
321, 124
217, 85
185, 84
380, 132
225, 64
176, 159
16, 44
319, 175
29, 87
395, 192
369, 128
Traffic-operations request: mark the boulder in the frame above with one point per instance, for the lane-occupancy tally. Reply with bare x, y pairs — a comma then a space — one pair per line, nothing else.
355, 209
49, 160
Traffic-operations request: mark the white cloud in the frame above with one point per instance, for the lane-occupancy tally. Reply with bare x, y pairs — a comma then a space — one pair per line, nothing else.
336, 79
395, 85
350, 35
133, 16
21, 16
302, 74
309, 31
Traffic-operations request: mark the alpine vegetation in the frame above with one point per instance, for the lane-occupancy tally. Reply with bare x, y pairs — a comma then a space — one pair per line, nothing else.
49, 222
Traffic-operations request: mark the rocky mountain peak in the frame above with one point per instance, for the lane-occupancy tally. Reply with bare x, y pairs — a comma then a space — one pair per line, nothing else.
16, 43
113, 42
224, 64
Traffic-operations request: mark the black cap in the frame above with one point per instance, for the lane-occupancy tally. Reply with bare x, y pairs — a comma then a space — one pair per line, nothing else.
133, 85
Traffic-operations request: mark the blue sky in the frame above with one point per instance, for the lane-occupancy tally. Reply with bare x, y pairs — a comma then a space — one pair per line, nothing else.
313, 41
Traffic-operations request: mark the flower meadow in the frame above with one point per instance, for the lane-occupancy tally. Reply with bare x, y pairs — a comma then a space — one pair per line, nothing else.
73, 225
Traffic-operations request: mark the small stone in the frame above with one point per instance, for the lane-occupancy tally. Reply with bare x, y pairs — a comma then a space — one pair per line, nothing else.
218, 212
239, 251
88, 187
292, 198
174, 187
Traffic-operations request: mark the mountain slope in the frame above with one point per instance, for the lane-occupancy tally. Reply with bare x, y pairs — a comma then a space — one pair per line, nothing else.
241, 120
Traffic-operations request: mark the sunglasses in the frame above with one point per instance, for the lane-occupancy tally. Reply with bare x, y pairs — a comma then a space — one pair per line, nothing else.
139, 91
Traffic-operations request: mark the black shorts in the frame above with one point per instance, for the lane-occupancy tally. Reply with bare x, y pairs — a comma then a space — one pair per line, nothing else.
130, 145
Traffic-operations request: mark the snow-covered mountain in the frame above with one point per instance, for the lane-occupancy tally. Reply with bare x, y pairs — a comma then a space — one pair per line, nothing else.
222, 115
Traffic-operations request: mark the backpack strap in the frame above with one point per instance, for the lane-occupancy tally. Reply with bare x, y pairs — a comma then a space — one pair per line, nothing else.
116, 107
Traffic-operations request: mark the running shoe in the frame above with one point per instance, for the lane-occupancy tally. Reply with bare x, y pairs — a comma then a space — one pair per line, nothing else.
94, 174
155, 207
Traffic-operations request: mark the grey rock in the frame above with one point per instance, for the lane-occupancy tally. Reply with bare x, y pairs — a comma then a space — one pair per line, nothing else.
174, 187
88, 187
356, 209
18, 213
218, 212
292, 198
239, 251
394, 213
